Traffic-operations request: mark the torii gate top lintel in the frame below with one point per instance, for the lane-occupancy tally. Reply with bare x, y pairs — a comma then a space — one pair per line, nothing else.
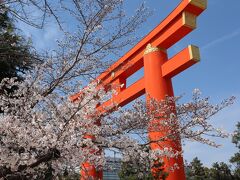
180, 22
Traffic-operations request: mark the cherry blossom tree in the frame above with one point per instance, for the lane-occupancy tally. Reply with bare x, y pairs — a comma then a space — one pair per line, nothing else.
38, 131
41, 130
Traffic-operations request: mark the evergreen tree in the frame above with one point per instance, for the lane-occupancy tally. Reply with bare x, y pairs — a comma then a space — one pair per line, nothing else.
220, 171
16, 54
196, 171
236, 158
130, 171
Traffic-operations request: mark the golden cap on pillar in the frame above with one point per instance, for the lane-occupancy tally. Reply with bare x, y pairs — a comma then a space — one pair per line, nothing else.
151, 48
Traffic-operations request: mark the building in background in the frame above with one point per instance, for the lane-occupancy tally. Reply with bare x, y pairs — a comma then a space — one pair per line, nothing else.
112, 168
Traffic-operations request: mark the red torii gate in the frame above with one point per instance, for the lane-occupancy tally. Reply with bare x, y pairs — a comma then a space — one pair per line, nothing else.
151, 53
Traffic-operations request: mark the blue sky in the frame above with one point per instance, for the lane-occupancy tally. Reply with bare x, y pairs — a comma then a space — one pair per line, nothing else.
217, 75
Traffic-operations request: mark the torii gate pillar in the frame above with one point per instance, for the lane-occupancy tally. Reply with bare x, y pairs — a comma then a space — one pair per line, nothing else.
158, 87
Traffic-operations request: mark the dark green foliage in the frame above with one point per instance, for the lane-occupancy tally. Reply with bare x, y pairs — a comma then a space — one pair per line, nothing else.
75, 176
131, 171
236, 140
220, 171
235, 159
127, 172
196, 171
16, 54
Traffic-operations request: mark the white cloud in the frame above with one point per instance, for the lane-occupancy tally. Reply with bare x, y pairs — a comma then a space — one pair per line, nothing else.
221, 39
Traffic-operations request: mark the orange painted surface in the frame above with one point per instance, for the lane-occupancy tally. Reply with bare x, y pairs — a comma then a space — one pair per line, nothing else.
158, 88
158, 71
164, 39
127, 95
178, 63
88, 171
170, 68
132, 57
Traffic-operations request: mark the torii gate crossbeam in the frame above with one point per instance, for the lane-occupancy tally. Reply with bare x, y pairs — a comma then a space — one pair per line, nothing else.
158, 69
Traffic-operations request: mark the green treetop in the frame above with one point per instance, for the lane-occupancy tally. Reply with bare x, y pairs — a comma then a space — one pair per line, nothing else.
196, 170
16, 54
235, 159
